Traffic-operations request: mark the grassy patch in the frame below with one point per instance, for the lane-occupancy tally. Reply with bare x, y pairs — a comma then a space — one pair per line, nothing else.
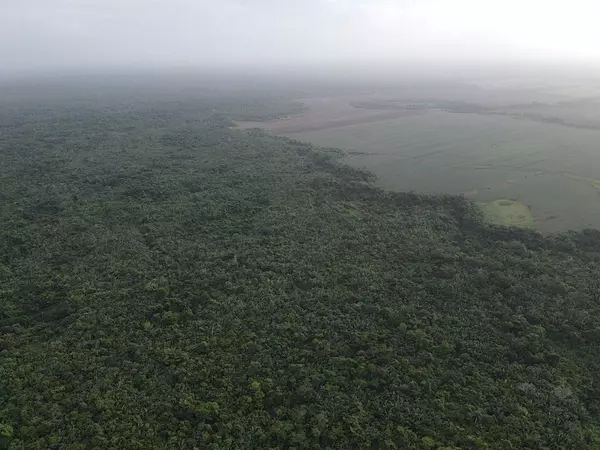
595, 183
508, 212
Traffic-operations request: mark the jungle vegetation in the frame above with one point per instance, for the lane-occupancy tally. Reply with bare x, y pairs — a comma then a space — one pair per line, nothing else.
168, 281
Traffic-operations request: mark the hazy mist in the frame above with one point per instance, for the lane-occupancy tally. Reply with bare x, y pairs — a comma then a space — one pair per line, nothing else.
42, 35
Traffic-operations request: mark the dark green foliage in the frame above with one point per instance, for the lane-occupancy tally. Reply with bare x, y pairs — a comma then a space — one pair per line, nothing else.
167, 282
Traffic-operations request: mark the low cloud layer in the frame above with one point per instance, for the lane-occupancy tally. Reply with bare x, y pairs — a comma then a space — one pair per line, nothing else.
55, 34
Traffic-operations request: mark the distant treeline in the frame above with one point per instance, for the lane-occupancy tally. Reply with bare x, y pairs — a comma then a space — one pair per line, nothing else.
471, 108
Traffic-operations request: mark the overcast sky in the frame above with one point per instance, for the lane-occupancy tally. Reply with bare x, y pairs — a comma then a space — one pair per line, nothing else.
55, 34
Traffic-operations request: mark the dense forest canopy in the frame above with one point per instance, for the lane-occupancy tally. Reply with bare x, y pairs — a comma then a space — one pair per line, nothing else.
168, 281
